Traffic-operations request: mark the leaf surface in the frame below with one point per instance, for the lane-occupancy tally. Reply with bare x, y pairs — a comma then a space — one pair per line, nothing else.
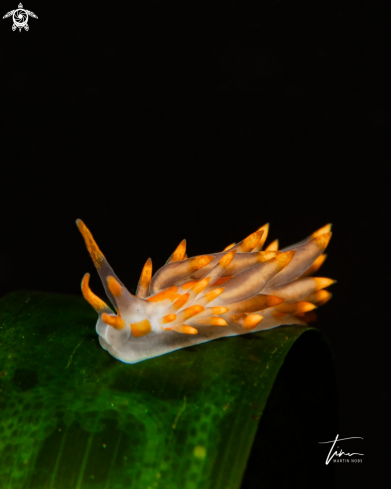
74, 417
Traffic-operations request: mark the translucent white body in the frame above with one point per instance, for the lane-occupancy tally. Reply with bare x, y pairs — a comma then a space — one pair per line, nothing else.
194, 300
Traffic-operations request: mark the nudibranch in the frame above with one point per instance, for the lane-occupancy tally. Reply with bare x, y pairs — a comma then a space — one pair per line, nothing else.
193, 300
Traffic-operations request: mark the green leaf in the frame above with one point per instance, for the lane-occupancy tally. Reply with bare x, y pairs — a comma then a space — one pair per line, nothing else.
74, 417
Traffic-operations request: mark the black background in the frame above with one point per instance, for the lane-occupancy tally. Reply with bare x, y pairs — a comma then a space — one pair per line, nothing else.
157, 121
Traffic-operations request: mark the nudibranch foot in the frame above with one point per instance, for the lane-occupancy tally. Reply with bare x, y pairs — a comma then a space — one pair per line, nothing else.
192, 300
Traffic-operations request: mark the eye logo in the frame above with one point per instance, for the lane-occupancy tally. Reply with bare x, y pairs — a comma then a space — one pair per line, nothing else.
20, 17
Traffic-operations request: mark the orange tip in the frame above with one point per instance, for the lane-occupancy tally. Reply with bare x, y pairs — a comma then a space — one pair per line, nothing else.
323, 230
222, 280
192, 311
227, 258
213, 294
265, 229
114, 321
114, 286
323, 240
267, 255
201, 285
146, 274
179, 253
273, 246
141, 328
95, 253
201, 261
319, 297
322, 282
90, 297
219, 310
169, 318
189, 285
188, 330
229, 247
183, 328
315, 266
251, 321
169, 293
216, 321
249, 243
181, 301
284, 258
295, 307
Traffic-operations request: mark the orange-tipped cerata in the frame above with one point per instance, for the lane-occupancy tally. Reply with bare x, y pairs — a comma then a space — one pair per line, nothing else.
145, 279
273, 246
323, 282
229, 246
180, 252
323, 230
192, 300
251, 321
227, 258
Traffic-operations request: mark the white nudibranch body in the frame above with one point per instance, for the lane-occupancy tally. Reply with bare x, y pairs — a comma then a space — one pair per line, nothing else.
193, 300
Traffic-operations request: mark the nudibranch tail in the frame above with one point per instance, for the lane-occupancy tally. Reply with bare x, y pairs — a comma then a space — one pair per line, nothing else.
192, 300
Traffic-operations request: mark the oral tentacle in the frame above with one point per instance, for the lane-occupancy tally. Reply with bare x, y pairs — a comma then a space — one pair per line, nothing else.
114, 321
97, 303
99, 260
